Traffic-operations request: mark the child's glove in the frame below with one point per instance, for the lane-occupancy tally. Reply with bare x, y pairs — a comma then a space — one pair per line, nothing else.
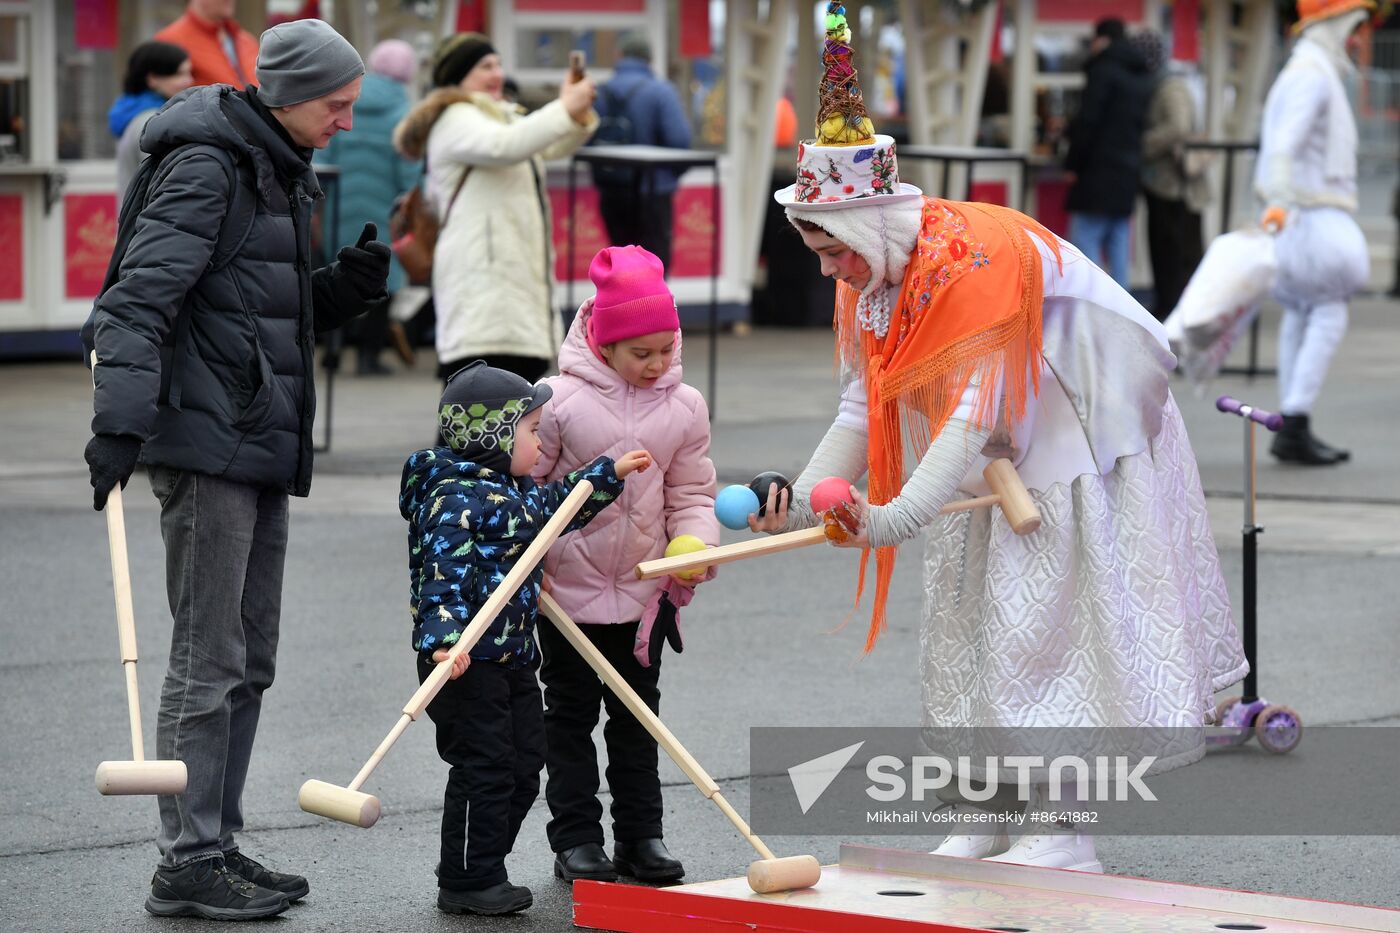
661, 622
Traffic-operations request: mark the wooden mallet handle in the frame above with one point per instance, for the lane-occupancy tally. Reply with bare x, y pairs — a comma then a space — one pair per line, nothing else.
126, 614
512, 583
725, 553
480, 622
649, 720
1008, 492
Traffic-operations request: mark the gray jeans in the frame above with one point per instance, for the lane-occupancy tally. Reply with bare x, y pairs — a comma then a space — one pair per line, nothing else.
225, 544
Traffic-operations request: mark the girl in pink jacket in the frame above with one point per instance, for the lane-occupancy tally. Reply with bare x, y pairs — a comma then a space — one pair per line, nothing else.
619, 389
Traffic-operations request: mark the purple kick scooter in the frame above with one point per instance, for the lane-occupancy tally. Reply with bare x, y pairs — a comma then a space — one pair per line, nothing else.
1278, 728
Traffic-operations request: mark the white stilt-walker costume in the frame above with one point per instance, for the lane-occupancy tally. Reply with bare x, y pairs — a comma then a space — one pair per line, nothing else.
1306, 175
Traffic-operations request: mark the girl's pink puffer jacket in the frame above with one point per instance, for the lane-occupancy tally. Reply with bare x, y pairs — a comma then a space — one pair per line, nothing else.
594, 411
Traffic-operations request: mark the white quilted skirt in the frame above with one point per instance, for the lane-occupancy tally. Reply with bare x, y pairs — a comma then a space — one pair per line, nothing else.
1114, 613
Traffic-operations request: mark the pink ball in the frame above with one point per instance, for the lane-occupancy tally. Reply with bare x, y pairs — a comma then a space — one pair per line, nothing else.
830, 493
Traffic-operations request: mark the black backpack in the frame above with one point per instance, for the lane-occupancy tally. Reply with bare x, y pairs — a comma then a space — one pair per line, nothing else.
615, 129
234, 229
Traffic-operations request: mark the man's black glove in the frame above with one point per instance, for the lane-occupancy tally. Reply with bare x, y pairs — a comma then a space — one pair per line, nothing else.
110, 459
366, 264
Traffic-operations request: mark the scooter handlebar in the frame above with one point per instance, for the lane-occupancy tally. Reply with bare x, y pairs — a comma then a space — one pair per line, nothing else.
1269, 419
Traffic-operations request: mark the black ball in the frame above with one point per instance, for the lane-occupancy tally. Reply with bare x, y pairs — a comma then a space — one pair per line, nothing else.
760, 483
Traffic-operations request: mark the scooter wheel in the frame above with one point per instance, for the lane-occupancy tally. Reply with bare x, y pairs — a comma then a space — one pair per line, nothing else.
1278, 728
1223, 707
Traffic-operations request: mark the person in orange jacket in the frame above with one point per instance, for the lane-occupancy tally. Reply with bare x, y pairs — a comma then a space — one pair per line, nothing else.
221, 51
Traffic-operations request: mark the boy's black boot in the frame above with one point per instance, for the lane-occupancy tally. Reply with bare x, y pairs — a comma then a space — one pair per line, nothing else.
294, 886
502, 898
1294, 443
586, 861
647, 860
209, 889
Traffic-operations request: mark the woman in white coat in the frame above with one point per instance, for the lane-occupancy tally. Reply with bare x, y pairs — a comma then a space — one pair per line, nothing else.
484, 160
1306, 175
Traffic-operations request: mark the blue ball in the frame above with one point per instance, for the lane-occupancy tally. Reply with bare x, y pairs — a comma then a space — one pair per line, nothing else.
734, 505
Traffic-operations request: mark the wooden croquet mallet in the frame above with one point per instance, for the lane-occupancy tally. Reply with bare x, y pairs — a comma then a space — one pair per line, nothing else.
1008, 493
137, 776
351, 805
769, 874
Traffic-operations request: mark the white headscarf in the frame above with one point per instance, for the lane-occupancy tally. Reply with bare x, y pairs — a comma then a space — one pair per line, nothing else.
883, 235
1331, 35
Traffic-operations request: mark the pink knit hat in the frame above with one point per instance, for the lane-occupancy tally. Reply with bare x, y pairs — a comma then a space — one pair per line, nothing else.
632, 299
394, 59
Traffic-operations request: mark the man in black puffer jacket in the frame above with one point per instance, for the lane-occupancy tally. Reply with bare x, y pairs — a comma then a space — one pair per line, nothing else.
1105, 148
205, 338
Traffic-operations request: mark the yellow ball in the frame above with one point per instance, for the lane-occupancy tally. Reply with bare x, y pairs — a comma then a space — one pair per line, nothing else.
687, 544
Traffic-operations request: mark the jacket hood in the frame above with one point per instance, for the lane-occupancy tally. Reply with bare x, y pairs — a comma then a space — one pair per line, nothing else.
576, 358
125, 109
632, 66
380, 95
422, 471
219, 115
411, 135
1124, 55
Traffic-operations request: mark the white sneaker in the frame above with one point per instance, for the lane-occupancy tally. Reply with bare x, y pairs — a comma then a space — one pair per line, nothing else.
1074, 851
968, 845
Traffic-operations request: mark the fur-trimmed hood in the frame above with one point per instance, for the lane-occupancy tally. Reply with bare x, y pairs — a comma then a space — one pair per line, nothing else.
411, 135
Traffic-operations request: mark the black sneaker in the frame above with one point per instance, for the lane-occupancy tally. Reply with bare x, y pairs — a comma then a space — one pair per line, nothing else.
208, 889
503, 898
294, 886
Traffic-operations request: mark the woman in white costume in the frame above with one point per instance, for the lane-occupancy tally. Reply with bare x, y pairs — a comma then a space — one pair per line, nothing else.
968, 332
1306, 175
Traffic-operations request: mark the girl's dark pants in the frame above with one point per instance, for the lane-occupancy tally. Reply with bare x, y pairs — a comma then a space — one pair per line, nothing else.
573, 695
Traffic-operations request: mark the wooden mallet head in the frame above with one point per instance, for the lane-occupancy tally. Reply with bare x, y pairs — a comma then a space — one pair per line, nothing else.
1016, 502
771, 875
116, 778
339, 803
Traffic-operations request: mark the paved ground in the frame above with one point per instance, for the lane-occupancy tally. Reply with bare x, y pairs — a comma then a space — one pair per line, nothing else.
760, 648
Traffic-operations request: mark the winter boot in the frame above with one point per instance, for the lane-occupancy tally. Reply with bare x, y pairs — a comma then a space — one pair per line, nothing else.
1294, 443
1342, 455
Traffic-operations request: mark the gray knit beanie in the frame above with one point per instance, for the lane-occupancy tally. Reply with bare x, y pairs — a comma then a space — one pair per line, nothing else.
303, 60
479, 410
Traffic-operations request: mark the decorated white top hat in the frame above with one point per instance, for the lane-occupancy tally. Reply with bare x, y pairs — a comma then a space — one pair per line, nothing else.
848, 164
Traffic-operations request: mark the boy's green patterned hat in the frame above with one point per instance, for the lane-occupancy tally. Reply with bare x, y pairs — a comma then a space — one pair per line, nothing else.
480, 408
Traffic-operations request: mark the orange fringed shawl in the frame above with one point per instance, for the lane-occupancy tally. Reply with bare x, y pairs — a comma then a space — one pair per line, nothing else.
969, 307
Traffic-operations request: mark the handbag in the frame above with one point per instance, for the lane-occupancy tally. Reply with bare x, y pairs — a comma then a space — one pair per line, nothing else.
414, 229
1219, 302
